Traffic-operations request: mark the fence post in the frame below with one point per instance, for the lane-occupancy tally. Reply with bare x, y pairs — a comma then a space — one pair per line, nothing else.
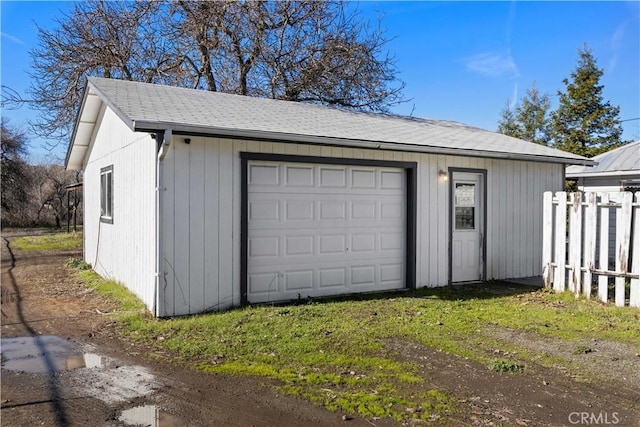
547, 236
623, 235
603, 281
561, 236
590, 223
634, 297
575, 240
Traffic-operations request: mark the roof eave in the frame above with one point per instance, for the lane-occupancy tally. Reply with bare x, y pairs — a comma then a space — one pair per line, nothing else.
602, 174
149, 126
82, 147
76, 126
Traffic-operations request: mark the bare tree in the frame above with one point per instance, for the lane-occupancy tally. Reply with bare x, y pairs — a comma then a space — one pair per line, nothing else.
312, 51
120, 40
47, 192
14, 172
56, 201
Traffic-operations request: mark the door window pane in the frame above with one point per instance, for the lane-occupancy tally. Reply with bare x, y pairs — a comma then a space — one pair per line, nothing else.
465, 218
465, 201
465, 194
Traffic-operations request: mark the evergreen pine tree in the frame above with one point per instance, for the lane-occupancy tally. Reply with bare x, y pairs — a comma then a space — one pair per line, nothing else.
583, 123
529, 119
532, 116
507, 124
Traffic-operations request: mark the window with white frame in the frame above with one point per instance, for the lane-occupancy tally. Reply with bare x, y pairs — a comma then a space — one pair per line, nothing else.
106, 194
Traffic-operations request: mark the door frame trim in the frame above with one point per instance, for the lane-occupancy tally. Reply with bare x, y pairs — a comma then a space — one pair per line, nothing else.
411, 174
482, 172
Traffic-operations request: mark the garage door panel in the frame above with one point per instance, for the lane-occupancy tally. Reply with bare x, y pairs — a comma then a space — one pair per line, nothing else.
263, 175
299, 176
299, 210
298, 280
333, 244
263, 283
363, 210
393, 241
391, 272
332, 278
318, 230
332, 177
299, 241
332, 210
363, 275
391, 180
260, 247
391, 210
282, 264
363, 242
276, 286
299, 245
264, 210
363, 178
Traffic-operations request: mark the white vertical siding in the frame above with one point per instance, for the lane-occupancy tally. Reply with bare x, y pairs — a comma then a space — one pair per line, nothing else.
125, 250
201, 218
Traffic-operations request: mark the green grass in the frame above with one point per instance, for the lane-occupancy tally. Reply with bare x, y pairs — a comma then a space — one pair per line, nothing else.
582, 349
56, 241
77, 263
502, 365
129, 309
334, 352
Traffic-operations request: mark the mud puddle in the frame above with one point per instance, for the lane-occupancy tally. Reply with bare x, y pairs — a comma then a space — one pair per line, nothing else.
150, 415
88, 373
45, 354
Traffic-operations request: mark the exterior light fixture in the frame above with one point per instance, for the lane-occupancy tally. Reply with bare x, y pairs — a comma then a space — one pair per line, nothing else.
443, 175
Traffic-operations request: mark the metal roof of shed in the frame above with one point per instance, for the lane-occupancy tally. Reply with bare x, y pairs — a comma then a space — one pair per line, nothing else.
624, 160
154, 108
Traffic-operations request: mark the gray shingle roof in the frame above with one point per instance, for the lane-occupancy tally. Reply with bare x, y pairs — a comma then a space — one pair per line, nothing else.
148, 107
625, 159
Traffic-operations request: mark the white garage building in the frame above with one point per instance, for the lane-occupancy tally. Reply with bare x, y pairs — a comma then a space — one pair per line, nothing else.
200, 201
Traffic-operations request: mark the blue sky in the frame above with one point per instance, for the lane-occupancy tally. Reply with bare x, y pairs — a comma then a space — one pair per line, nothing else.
460, 60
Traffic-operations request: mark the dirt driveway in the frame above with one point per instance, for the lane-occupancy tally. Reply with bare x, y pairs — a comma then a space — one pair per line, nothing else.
104, 380
39, 298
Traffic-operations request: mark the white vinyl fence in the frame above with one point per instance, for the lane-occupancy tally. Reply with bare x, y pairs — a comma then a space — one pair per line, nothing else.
576, 242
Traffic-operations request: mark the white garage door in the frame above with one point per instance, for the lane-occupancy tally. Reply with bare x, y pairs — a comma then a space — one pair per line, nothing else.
318, 230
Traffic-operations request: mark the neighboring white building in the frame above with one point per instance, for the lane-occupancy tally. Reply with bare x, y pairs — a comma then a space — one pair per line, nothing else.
261, 200
616, 170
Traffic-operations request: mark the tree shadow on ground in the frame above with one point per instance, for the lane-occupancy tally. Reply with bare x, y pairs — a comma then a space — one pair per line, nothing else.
12, 294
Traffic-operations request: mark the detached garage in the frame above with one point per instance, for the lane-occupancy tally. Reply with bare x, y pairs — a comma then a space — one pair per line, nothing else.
201, 201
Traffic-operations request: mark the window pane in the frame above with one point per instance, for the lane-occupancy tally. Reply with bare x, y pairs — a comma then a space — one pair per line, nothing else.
465, 218
103, 194
109, 211
106, 194
465, 194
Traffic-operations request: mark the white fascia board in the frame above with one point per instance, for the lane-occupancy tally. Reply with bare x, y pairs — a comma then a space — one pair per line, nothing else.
73, 145
146, 126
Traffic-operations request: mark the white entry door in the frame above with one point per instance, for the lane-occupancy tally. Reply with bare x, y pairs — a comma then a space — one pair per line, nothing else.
467, 227
324, 229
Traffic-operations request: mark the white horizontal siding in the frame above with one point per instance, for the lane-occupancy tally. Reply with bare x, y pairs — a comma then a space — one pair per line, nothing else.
201, 216
125, 250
